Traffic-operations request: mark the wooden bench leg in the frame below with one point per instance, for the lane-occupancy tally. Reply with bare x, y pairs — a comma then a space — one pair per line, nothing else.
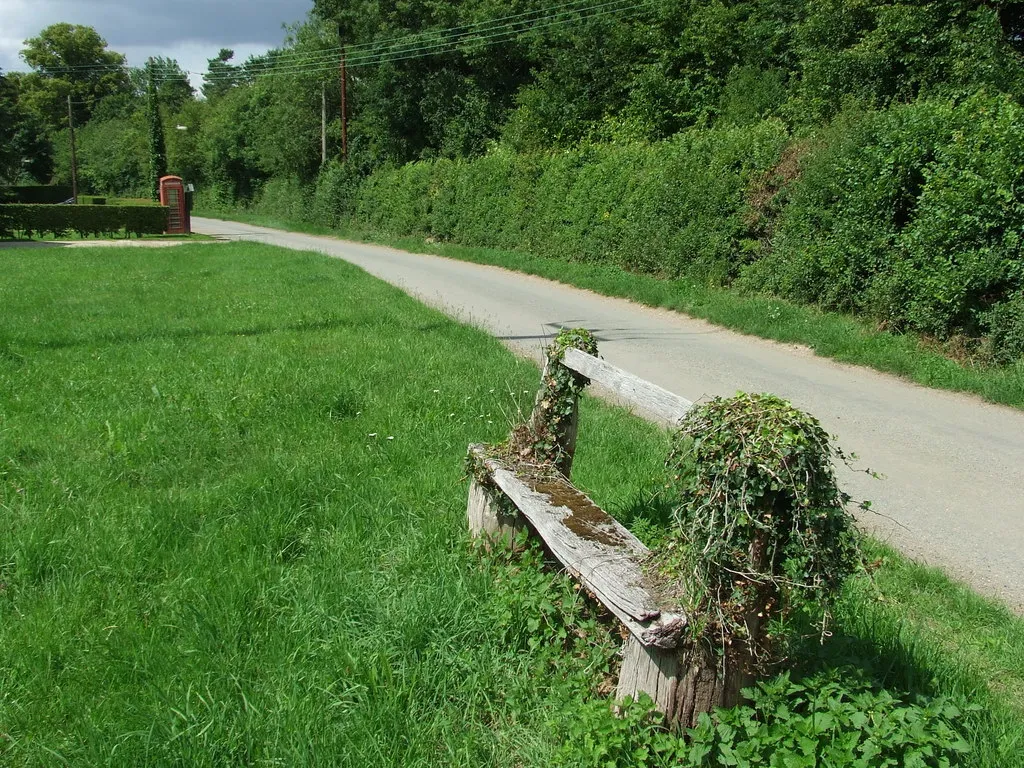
486, 518
683, 682
654, 671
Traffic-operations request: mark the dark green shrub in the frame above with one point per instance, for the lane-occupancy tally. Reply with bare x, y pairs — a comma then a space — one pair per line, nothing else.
35, 194
672, 208
1004, 324
334, 196
283, 198
911, 215
86, 220
395, 200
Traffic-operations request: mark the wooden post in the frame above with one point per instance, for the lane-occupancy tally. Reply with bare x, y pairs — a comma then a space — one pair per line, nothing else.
485, 517
74, 154
696, 677
650, 670
567, 431
344, 107
683, 682
323, 124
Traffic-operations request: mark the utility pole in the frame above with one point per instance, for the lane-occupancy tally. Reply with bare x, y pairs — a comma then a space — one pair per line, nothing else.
323, 124
344, 111
74, 157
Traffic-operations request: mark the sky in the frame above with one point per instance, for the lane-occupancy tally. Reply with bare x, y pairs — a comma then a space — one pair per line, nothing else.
191, 31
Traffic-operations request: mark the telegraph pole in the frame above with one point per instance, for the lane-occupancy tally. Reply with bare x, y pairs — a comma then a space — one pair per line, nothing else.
323, 124
74, 157
344, 110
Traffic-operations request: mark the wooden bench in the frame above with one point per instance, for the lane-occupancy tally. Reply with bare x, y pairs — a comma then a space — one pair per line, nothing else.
606, 558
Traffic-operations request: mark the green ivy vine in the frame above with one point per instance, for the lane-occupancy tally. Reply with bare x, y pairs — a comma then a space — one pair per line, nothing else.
761, 527
545, 438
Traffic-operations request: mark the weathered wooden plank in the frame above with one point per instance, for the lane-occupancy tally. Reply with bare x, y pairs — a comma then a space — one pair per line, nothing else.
649, 397
593, 547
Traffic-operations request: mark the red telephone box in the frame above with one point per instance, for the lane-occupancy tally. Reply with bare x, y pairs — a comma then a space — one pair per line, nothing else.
172, 194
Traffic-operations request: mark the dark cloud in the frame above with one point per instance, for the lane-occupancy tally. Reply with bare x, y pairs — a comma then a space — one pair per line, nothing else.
142, 22
156, 27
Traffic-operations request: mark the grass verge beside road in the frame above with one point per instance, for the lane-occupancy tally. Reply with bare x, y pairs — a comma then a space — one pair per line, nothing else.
840, 337
232, 532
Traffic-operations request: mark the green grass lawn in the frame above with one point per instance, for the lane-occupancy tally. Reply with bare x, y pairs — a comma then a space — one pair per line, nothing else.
840, 337
232, 532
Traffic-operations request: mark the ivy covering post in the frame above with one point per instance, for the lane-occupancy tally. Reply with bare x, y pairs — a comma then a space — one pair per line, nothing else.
762, 532
548, 438
157, 145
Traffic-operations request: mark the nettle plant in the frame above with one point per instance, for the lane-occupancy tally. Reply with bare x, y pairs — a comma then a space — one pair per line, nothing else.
761, 529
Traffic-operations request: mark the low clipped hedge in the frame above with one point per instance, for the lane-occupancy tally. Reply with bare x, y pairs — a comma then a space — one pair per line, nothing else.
86, 220
671, 208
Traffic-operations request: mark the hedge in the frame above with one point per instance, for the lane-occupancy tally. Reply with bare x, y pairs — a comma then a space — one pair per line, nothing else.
913, 216
671, 208
35, 194
86, 220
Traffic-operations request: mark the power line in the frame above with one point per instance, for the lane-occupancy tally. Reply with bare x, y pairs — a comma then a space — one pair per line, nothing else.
359, 50
428, 48
472, 28
398, 48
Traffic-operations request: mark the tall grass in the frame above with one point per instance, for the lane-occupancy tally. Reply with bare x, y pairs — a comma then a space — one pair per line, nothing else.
231, 531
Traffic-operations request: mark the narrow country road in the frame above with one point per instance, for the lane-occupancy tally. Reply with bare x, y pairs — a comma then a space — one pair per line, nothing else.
953, 488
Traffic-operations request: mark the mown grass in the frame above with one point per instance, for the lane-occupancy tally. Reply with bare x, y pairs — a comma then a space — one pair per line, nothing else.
829, 334
232, 531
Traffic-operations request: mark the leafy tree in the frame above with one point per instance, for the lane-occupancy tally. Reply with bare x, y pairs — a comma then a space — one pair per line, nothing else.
70, 59
25, 150
183, 153
173, 88
113, 157
9, 118
220, 76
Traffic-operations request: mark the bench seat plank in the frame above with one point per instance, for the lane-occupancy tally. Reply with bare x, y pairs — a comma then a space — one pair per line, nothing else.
594, 547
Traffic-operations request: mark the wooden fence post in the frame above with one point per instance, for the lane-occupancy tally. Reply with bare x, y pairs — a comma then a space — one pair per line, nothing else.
683, 682
563, 429
487, 519
650, 670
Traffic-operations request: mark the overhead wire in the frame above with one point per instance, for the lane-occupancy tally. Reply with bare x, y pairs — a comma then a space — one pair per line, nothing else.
429, 48
395, 49
464, 30
389, 44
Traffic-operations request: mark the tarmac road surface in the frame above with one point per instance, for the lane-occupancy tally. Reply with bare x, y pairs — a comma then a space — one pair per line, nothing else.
953, 488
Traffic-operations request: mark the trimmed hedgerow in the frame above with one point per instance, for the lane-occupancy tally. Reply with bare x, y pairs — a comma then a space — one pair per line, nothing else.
671, 208
86, 220
911, 216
